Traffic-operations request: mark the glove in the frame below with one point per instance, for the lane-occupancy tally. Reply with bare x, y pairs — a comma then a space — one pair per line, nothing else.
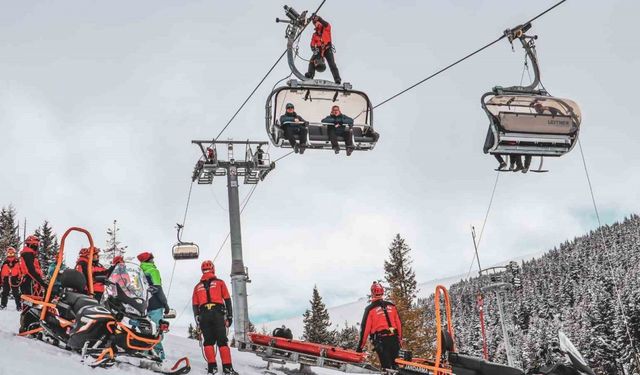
166, 310
359, 350
228, 321
117, 259
197, 318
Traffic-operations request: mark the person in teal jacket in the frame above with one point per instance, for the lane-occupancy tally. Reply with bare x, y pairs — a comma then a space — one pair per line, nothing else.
158, 304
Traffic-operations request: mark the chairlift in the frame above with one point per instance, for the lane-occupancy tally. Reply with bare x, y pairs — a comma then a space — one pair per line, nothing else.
184, 250
527, 120
313, 99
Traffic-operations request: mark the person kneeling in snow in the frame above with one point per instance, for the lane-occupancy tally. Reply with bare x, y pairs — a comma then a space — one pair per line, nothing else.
213, 313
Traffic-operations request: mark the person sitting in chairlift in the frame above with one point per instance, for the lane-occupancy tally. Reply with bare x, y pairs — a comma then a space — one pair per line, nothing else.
336, 126
322, 48
293, 124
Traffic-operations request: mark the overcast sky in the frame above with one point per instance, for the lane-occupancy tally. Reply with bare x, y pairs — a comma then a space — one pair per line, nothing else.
99, 102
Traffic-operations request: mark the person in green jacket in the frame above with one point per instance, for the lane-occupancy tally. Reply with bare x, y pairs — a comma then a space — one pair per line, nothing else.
158, 304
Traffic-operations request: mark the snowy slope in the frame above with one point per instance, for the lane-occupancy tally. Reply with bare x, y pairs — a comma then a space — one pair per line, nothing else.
352, 312
23, 356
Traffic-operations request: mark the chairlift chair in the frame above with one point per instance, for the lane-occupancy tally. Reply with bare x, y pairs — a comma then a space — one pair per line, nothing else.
527, 120
313, 99
184, 250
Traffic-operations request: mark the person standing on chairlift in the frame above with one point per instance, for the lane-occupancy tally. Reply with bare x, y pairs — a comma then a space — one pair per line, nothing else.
336, 122
381, 323
293, 124
322, 49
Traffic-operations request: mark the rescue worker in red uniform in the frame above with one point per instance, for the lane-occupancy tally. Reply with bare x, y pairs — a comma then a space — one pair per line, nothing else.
213, 313
322, 48
10, 279
30, 267
381, 323
82, 266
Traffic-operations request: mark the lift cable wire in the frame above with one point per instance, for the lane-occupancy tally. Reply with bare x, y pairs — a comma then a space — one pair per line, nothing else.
461, 60
184, 219
264, 78
244, 204
484, 223
612, 272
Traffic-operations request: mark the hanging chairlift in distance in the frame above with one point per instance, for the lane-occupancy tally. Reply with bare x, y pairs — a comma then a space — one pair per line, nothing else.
184, 250
313, 99
527, 120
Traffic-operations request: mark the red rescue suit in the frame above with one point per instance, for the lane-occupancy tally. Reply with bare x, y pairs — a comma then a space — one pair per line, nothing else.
10, 279
381, 323
212, 309
30, 270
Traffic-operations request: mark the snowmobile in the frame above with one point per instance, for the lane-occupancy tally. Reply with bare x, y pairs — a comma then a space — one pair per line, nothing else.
117, 331
104, 334
449, 361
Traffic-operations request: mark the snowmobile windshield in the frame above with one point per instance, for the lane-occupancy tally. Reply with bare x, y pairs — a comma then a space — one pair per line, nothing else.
127, 290
566, 346
130, 279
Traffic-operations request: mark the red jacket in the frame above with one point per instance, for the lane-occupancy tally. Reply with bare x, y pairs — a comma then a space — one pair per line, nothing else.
10, 268
99, 270
218, 293
321, 37
30, 266
375, 321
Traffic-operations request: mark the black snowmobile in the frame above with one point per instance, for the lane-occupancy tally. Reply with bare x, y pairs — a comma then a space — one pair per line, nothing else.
117, 331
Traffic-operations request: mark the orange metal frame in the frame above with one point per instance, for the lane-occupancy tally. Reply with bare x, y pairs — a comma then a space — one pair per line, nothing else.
438, 367
132, 336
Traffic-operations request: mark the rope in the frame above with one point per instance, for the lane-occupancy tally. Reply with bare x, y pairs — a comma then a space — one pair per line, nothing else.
614, 277
484, 223
284, 156
460, 60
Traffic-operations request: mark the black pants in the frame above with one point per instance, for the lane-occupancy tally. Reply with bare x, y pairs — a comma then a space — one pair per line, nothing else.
335, 131
328, 54
26, 287
8, 284
517, 160
290, 131
213, 328
387, 348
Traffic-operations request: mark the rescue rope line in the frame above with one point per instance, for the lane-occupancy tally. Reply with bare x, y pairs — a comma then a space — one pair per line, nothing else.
612, 272
484, 223
461, 60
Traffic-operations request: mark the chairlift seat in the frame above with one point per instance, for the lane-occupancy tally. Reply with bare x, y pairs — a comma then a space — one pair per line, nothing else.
185, 250
528, 124
313, 101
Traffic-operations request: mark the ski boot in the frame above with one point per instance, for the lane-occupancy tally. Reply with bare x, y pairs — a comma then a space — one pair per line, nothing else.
212, 368
228, 370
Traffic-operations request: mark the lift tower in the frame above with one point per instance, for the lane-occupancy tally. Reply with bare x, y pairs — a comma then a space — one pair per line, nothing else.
253, 168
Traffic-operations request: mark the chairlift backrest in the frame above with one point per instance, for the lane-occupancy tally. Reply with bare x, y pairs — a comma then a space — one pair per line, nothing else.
185, 250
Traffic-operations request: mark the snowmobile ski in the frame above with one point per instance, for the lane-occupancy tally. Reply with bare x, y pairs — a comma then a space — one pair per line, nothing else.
181, 366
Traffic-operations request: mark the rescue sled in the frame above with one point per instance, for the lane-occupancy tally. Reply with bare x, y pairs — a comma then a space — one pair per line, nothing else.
282, 350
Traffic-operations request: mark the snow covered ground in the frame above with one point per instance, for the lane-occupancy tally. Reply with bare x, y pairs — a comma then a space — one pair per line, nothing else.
24, 356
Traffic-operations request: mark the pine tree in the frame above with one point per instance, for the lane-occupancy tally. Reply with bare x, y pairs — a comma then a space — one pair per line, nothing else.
9, 235
114, 247
48, 246
347, 337
403, 288
316, 321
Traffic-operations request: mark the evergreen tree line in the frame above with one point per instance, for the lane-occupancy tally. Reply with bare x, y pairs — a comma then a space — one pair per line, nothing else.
401, 289
577, 288
10, 236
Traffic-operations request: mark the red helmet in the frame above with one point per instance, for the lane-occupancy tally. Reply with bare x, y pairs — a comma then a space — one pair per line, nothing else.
145, 256
84, 252
377, 290
207, 266
11, 252
32, 240
117, 259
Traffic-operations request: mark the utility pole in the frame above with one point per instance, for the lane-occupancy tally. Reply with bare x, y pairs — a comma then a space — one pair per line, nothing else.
254, 167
